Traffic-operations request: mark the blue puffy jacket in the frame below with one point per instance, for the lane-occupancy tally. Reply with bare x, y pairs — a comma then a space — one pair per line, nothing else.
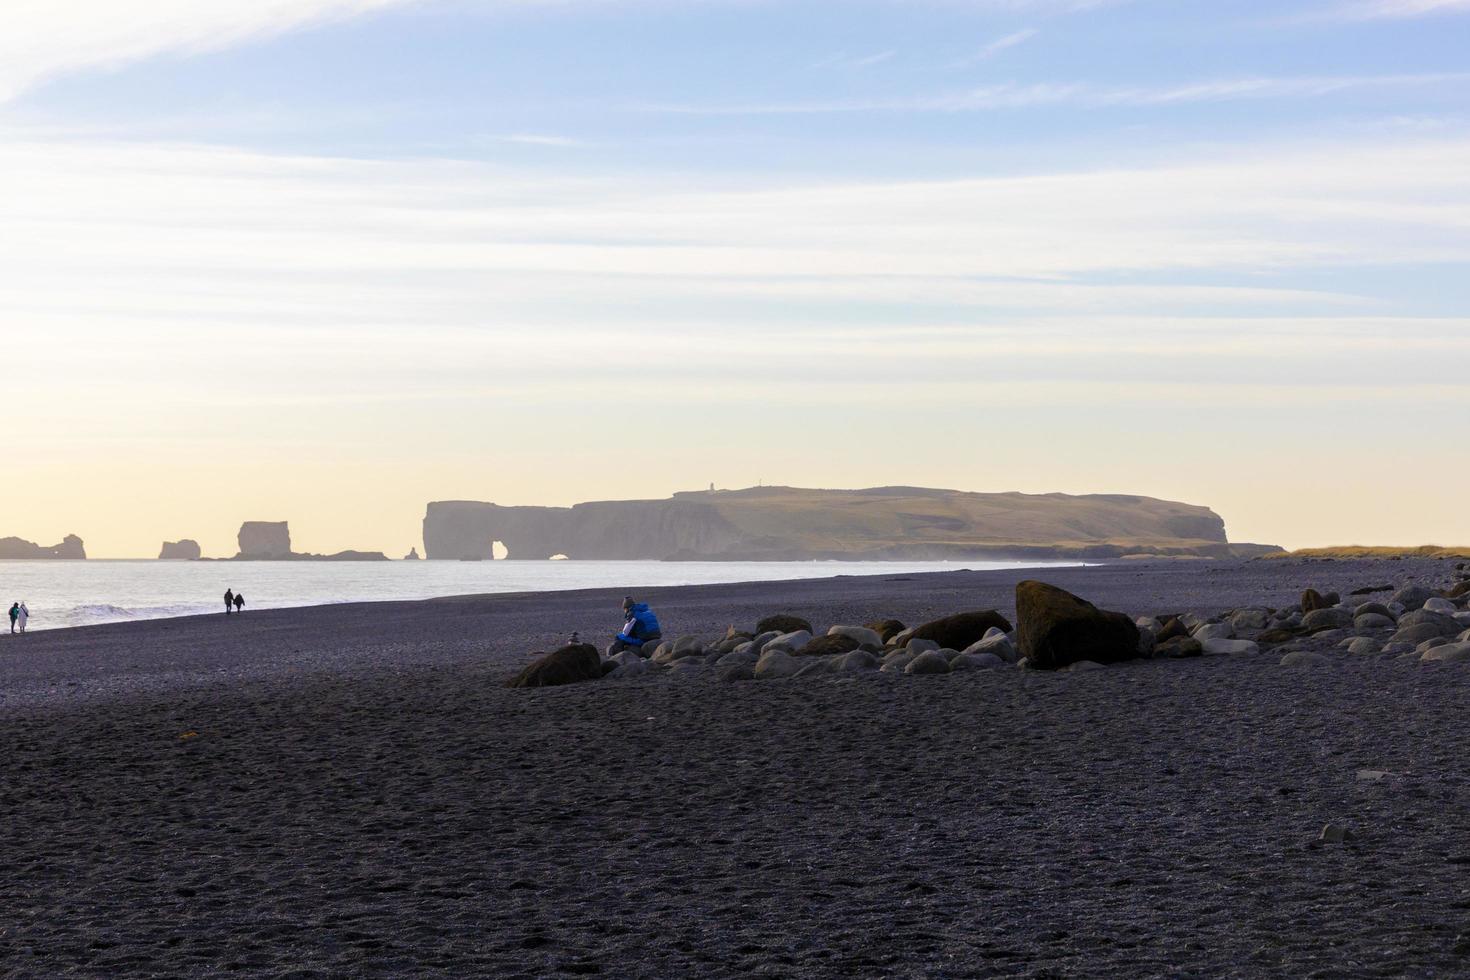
642, 626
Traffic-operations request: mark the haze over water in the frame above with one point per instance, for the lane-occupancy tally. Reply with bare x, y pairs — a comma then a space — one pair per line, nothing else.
82, 593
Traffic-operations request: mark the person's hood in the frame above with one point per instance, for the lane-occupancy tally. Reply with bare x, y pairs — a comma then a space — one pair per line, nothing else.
638, 607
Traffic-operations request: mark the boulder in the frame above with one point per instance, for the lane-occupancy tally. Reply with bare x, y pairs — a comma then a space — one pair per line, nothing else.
686, 644
790, 642
999, 646
858, 661
782, 623
184, 550
1172, 628
1278, 636
864, 636
1446, 625
1412, 597
737, 658
1312, 600
1319, 620
928, 662
1450, 653
832, 643
917, 647
897, 660
1083, 666
572, 664
886, 629
628, 671
1178, 648
959, 631
776, 665
1306, 658
1214, 631
1057, 629
1373, 609
1458, 590
1372, 621
1249, 619
1442, 606
1363, 646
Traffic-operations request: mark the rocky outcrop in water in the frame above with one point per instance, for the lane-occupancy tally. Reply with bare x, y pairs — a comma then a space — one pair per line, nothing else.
784, 523
185, 550
271, 541
18, 548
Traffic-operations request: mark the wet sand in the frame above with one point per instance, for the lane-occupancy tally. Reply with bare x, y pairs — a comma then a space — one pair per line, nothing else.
350, 790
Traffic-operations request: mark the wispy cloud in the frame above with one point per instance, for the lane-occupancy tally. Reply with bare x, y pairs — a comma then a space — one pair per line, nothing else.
542, 139
844, 60
997, 46
1398, 9
1012, 95
40, 39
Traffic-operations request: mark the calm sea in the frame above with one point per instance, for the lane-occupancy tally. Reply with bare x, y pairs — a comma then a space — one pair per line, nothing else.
79, 593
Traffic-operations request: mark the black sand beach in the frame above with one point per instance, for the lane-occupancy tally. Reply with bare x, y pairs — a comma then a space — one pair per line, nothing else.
350, 790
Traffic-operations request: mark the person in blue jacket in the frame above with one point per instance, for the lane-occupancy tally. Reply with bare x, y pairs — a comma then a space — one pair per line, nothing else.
639, 632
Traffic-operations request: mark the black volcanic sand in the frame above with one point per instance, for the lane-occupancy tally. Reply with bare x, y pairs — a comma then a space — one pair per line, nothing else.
351, 791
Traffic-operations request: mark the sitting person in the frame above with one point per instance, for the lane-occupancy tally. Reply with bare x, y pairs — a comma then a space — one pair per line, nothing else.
640, 630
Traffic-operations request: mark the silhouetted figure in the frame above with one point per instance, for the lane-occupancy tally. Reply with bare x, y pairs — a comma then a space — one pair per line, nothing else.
239, 601
229, 601
640, 629
14, 615
23, 614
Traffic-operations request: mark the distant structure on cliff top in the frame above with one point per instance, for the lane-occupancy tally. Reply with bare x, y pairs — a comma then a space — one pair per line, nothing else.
791, 524
271, 541
17, 548
185, 549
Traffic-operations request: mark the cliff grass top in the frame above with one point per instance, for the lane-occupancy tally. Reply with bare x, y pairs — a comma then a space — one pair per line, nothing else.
1361, 551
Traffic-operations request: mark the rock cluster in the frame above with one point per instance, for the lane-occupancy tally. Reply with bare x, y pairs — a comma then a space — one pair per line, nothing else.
1054, 631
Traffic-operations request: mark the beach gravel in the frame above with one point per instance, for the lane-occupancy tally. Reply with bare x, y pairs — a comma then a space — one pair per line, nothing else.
354, 791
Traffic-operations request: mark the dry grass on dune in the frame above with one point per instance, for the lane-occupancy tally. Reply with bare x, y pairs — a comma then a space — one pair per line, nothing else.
1361, 551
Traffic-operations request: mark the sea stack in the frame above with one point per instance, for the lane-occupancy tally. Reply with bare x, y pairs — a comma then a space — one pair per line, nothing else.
186, 549
267, 540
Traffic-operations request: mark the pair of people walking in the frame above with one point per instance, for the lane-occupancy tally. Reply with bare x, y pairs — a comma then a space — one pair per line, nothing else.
235, 599
19, 614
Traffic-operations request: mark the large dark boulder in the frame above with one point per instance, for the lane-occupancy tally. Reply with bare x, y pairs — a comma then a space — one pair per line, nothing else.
959, 631
572, 664
886, 629
782, 623
1312, 600
826, 645
1057, 629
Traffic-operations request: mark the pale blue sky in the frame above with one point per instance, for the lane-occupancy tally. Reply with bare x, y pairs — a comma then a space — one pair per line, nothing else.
1204, 251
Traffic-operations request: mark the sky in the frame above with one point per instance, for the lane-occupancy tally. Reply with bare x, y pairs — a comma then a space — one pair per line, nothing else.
327, 260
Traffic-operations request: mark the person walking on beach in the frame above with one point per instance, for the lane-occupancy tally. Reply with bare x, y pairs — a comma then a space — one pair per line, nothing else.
14, 615
229, 601
22, 614
640, 629
239, 602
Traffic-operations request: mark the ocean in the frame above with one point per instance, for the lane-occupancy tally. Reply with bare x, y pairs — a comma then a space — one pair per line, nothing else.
80, 593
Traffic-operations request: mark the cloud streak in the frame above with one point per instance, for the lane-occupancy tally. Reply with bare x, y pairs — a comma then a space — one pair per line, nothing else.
1011, 95
41, 39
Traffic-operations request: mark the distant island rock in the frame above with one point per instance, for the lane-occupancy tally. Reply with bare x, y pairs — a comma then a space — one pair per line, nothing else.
413, 555
271, 541
186, 549
17, 548
792, 524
